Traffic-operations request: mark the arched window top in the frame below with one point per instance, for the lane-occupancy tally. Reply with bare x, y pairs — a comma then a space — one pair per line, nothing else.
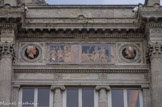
95, 2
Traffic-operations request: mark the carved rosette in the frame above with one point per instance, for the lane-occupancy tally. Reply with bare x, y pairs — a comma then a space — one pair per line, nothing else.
155, 50
7, 48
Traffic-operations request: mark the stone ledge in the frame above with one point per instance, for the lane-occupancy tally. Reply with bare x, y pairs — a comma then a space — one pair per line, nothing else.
81, 71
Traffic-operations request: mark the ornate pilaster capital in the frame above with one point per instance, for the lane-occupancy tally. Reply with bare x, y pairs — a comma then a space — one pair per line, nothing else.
155, 50
7, 48
99, 87
54, 87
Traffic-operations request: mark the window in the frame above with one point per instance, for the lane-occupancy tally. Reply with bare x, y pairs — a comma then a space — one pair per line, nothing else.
85, 97
125, 98
35, 97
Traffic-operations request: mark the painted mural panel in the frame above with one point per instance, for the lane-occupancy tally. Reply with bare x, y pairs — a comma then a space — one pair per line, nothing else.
80, 54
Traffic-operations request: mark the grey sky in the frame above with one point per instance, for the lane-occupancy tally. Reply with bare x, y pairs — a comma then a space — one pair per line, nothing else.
95, 1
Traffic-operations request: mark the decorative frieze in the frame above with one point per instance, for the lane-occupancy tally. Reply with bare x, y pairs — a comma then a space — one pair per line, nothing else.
7, 48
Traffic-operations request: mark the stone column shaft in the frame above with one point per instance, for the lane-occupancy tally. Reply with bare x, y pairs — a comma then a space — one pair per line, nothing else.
146, 96
156, 74
15, 95
57, 101
6, 52
103, 97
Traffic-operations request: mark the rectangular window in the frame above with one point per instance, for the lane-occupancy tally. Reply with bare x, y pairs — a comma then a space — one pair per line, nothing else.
87, 98
133, 98
117, 98
72, 98
35, 97
80, 97
43, 97
28, 97
126, 98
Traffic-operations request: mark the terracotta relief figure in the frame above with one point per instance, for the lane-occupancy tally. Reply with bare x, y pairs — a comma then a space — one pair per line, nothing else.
53, 54
95, 55
103, 57
60, 55
67, 53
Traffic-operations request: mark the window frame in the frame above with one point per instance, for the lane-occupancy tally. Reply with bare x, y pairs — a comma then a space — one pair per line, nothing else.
80, 96
125, 96
36, 95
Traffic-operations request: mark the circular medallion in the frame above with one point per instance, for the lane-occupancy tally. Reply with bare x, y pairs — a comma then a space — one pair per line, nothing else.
129, 53
31, 53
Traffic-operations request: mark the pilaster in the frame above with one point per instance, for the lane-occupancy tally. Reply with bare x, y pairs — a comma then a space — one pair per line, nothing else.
103, 98
15, 95
146, 96
156, 73
58, 99
6, 55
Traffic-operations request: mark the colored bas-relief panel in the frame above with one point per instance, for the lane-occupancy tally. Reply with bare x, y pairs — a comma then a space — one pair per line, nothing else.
80, 54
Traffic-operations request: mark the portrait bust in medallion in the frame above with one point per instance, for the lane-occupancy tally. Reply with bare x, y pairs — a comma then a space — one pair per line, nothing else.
31, 52
129, 52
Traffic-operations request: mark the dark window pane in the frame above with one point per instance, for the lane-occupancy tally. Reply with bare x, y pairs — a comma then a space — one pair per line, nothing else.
72, 97
133, 98
87, 98
43, 97
117, 98
28, 97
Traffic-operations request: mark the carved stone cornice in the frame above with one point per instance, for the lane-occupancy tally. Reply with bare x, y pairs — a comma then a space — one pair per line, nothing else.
61, 87
11, 14
99, 87
155, 50
7, 48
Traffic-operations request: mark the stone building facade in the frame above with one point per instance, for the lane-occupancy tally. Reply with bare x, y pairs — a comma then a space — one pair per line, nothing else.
80, 55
